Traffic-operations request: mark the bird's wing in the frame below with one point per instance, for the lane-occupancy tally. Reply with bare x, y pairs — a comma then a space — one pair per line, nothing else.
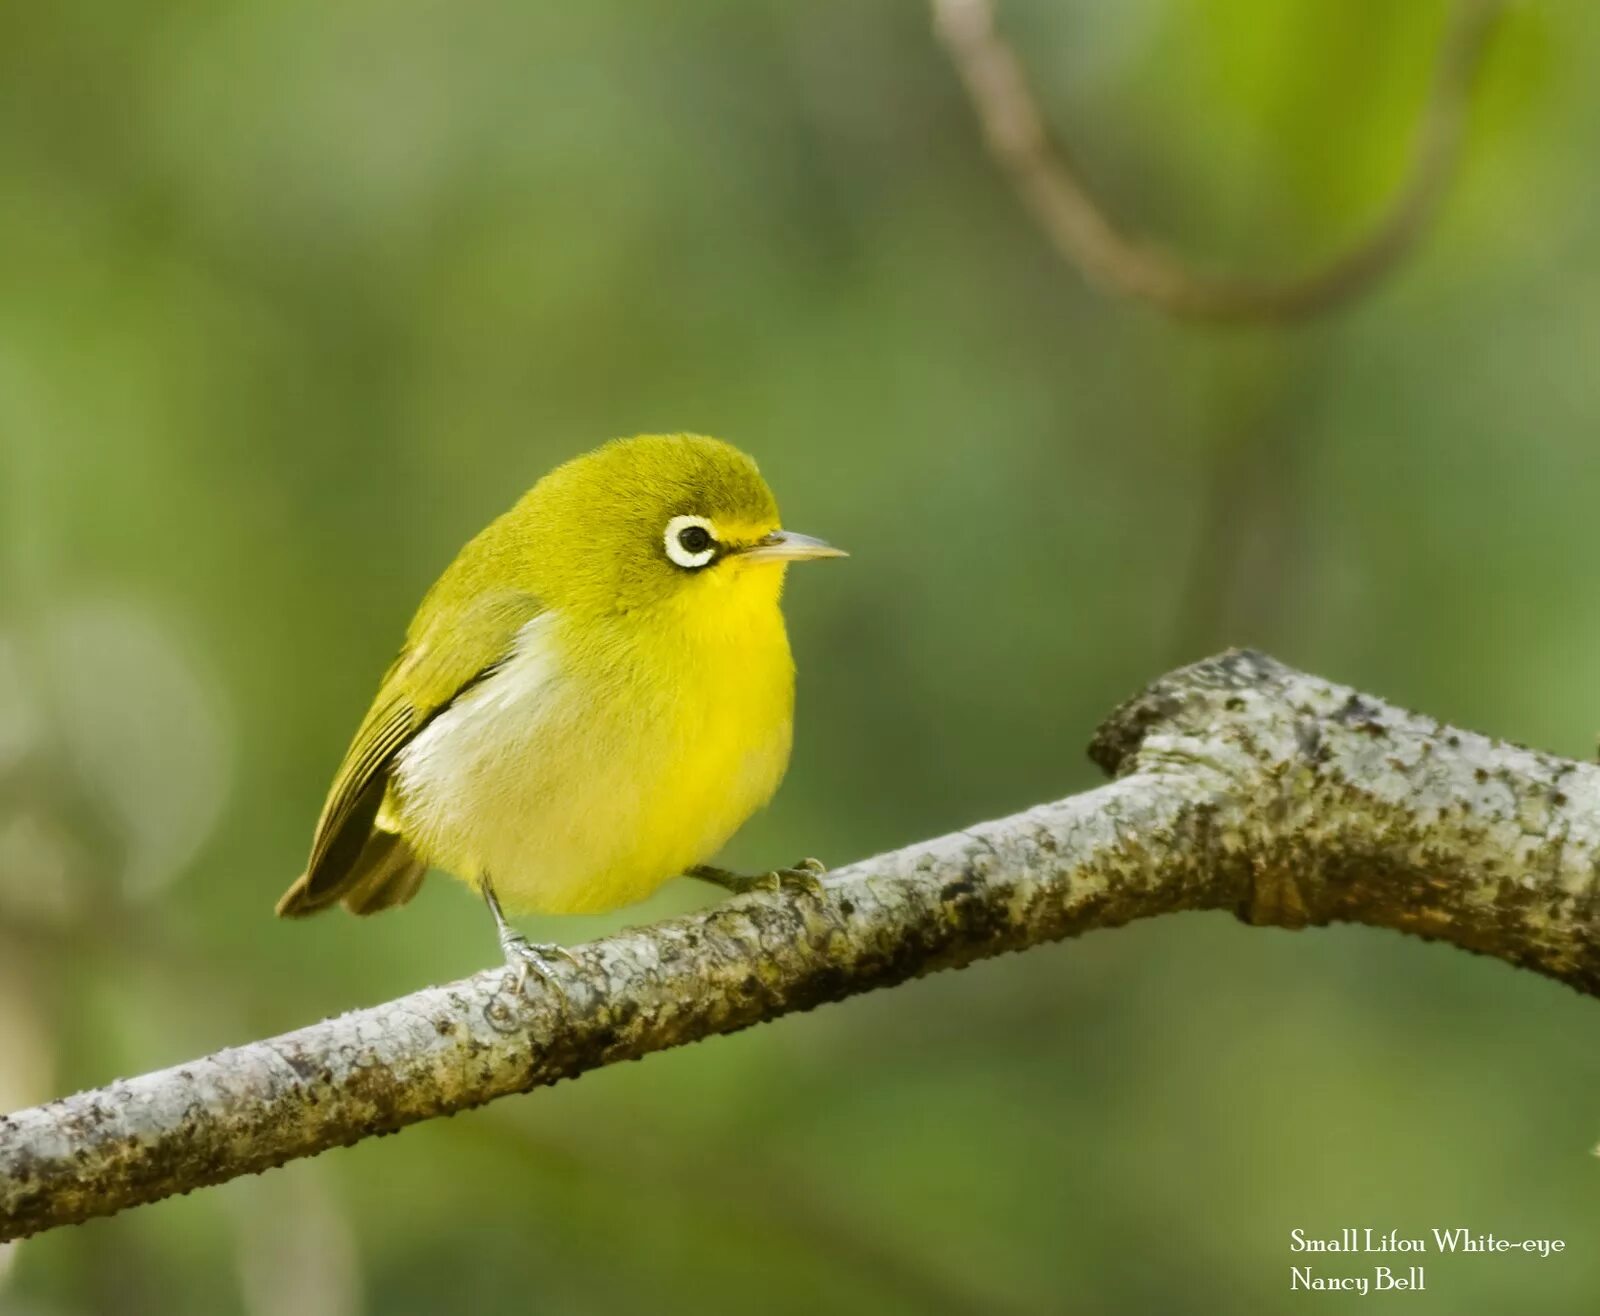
458, 648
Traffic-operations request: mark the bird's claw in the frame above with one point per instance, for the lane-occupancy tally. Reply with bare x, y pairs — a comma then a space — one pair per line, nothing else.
803, 876
524, 957
806, 875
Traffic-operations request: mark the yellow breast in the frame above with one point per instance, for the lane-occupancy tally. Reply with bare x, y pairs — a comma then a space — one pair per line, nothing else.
593, 767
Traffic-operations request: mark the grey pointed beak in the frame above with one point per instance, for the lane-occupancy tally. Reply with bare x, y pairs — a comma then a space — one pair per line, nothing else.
790, 546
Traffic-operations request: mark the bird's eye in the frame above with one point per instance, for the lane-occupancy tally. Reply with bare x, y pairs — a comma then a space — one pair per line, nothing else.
690, 542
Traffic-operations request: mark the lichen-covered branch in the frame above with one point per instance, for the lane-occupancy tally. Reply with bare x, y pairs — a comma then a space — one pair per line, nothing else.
1238, 784
1073, 218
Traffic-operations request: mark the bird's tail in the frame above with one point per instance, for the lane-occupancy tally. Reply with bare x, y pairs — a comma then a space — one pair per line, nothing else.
385, 874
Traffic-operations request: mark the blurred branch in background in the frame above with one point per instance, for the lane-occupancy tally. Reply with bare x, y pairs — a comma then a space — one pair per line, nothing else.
1247, 569
1240, 785
1044, 175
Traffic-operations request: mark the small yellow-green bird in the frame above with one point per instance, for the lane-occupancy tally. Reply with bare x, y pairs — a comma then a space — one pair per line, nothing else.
590, 701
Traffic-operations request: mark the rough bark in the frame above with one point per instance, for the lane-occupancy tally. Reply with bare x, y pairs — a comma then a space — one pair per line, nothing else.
1239, 784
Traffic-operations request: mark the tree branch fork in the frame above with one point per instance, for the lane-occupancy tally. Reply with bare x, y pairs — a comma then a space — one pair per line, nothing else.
1237, 784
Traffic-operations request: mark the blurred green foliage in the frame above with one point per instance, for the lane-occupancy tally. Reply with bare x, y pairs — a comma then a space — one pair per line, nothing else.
295, 296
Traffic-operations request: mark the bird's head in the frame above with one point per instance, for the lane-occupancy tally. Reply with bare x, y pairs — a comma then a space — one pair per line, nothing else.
660, 519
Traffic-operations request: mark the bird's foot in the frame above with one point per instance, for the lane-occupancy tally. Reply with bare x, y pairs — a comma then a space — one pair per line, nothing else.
804, 876
524, 957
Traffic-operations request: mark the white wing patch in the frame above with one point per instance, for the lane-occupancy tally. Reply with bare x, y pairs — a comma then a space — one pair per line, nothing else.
443, 774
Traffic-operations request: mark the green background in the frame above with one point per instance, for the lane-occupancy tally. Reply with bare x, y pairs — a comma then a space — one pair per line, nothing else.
294, 296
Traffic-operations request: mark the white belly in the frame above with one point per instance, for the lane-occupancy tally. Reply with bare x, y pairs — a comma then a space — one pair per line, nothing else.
570, 805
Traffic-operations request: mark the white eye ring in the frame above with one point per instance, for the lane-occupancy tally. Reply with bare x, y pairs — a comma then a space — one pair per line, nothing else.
676, 550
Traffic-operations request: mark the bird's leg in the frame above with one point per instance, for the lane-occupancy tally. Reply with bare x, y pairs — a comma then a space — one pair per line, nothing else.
522, 956
805, 876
